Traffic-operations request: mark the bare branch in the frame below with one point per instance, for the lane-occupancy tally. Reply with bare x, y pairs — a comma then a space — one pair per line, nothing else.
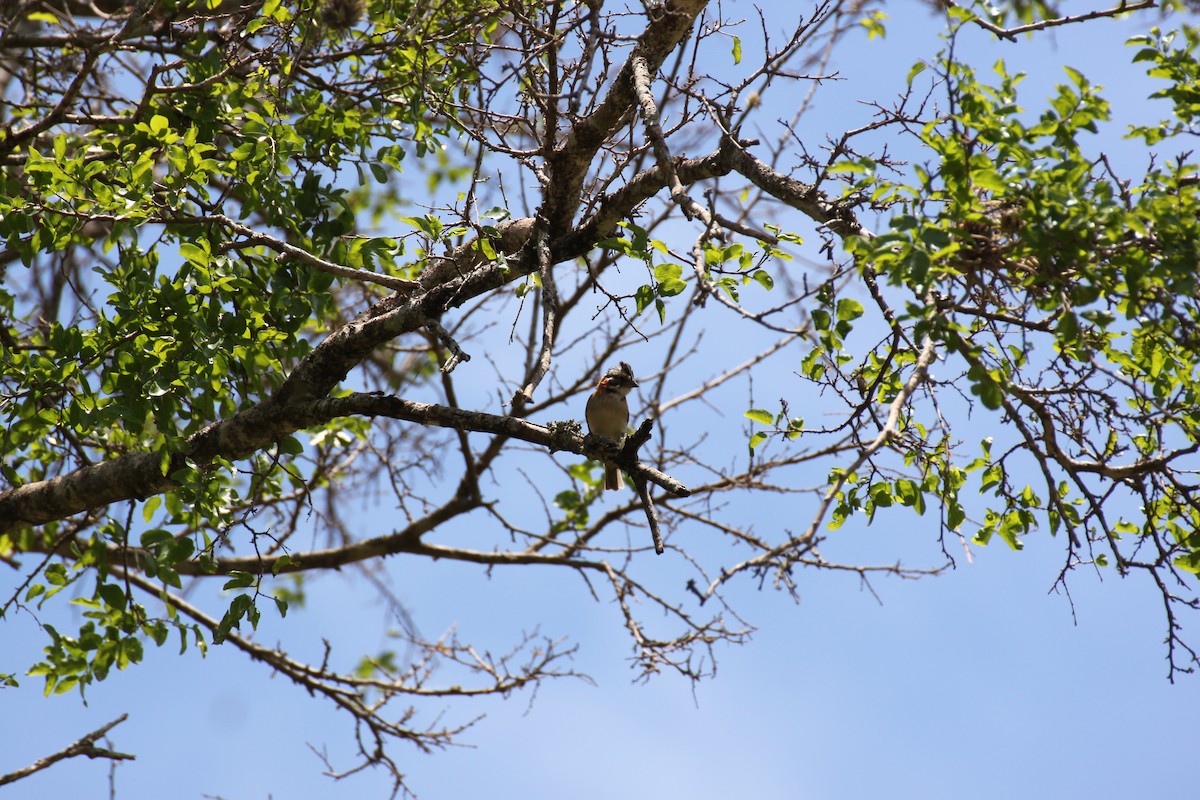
85, 746
1011, 34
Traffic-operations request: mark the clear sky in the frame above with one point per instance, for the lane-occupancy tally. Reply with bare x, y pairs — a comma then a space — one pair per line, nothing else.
976, 684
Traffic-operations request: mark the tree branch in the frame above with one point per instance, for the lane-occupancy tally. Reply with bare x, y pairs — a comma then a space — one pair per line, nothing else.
138, 475
796, 546
1011, 34
669, 23
85, 746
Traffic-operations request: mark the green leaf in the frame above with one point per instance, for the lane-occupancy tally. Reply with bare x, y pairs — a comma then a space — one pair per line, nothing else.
150, 506
669, 280
760, 416
239, 580
643, 297
158, 632
956, 515
56, 574
113, 595
178, 550
195, 253
916, 70
291, 445
670, 288
848, 309
874, 24
151, 539
569, 499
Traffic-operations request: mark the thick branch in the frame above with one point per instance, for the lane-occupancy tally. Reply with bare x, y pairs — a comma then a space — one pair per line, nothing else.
801, 196
669, 23
450, 282
138, 475
553, 438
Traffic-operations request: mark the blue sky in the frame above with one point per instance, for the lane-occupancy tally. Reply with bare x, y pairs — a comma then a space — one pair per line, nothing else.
978, 683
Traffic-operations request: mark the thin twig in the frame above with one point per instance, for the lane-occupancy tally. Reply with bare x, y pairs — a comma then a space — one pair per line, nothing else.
85, 746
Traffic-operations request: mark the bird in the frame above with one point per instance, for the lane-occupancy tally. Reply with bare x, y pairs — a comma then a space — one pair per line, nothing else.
608, 414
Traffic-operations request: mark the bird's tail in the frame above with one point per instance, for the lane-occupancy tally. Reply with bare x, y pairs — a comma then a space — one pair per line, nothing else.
612, 477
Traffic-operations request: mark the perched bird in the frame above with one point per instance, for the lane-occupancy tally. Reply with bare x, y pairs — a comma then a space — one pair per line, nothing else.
608, 414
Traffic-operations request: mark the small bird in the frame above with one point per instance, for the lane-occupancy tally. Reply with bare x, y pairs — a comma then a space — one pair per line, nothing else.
608, 414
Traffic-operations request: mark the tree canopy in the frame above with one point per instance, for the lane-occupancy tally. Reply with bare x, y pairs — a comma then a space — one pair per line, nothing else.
300, 287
